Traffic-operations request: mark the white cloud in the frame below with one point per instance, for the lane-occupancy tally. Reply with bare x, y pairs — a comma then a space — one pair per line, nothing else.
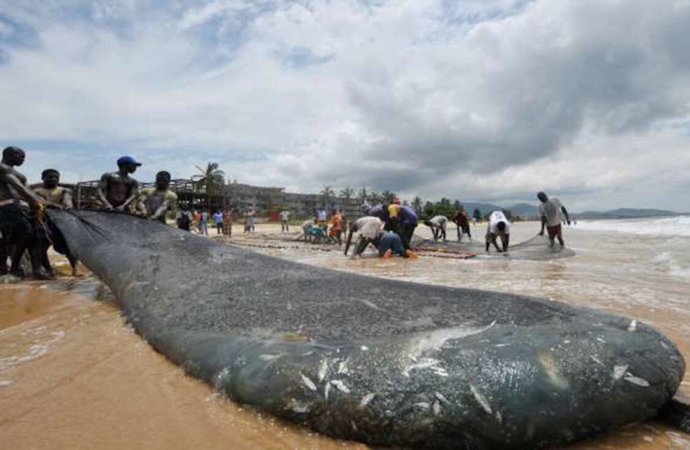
469, 100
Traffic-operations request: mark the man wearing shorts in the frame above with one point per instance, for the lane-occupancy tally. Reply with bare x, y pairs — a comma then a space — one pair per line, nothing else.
550, 211
49, 234
19, 207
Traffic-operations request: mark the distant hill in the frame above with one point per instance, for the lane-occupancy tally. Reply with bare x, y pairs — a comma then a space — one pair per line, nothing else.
519, 209
529, 211
624, 213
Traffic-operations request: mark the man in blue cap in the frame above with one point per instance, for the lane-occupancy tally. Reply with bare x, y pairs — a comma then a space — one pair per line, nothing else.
117, 190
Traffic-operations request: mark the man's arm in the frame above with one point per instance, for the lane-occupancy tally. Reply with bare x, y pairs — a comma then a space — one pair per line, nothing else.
543, 224
133, 196
26, 193
67, 199
565, 213
102, 186
349, 237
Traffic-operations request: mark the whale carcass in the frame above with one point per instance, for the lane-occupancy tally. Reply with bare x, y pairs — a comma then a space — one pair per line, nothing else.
379, 361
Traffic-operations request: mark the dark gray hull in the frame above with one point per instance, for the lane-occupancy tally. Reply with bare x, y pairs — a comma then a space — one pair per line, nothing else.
380, 361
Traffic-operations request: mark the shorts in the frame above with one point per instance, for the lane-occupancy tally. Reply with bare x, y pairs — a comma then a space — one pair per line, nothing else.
554, 231
15, 223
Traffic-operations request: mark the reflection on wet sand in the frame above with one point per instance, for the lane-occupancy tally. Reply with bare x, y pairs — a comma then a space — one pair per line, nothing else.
73, 375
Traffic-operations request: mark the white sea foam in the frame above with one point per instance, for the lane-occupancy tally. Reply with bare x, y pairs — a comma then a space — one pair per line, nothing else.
665, 226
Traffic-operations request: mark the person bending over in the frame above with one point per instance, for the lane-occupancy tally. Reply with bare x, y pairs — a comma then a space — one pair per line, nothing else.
438, 226
368, 228
389, 243
499, 226
462, 224
550, 211
404, 221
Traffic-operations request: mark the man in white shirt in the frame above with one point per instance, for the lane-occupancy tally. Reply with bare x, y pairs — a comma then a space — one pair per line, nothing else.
550, 211
498, 226
368, 228
438, 225
284, 218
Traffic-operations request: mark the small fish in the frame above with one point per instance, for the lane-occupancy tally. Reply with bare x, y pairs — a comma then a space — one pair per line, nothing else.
423, 405
307, 382
481, 399
323, 369
366, 399
364, 348
269, 357
340, 386
630, 378
436, 408
326, 390
633, 326
619, 371
442, 398
342, 367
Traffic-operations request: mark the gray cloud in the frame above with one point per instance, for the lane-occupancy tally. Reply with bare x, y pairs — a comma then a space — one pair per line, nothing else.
469, 99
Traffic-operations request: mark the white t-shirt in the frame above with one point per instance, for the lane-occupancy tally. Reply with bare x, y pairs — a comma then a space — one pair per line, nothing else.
285, 215
368, 226
552, 210
494, 218
439, 221
321, 215
307, 224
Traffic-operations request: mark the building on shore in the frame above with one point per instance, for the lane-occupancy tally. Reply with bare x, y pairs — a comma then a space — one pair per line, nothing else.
266, 201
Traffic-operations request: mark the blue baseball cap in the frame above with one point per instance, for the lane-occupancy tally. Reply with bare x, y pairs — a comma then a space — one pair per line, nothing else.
127, 160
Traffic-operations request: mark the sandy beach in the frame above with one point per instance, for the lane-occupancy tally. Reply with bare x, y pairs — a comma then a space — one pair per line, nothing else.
74, 375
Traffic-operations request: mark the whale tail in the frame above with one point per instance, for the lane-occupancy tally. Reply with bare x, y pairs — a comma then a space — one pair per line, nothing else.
676, 414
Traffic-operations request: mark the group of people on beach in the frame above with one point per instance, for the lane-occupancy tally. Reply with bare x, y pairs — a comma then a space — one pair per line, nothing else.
24, 227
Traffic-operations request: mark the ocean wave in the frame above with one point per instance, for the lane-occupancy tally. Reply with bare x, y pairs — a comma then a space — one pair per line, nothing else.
666, 226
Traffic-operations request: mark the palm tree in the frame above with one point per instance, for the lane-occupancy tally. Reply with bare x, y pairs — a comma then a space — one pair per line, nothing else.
363, 195
417, 204
326, 195
210, 179
347, 193
387, 196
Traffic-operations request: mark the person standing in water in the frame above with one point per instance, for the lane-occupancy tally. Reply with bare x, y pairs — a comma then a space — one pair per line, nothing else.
499, 226
550, 211
18, 208
49, 234
184, 218
155, 202
118, 190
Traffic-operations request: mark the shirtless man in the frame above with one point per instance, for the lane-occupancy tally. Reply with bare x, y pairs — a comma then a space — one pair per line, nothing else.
117, 190
16, 226
55, 194
155, 202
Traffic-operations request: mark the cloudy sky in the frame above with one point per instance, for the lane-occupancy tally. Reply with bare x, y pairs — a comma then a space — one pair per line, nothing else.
473, 99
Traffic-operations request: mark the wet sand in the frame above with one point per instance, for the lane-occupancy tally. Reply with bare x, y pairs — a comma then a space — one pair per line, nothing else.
73, 375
